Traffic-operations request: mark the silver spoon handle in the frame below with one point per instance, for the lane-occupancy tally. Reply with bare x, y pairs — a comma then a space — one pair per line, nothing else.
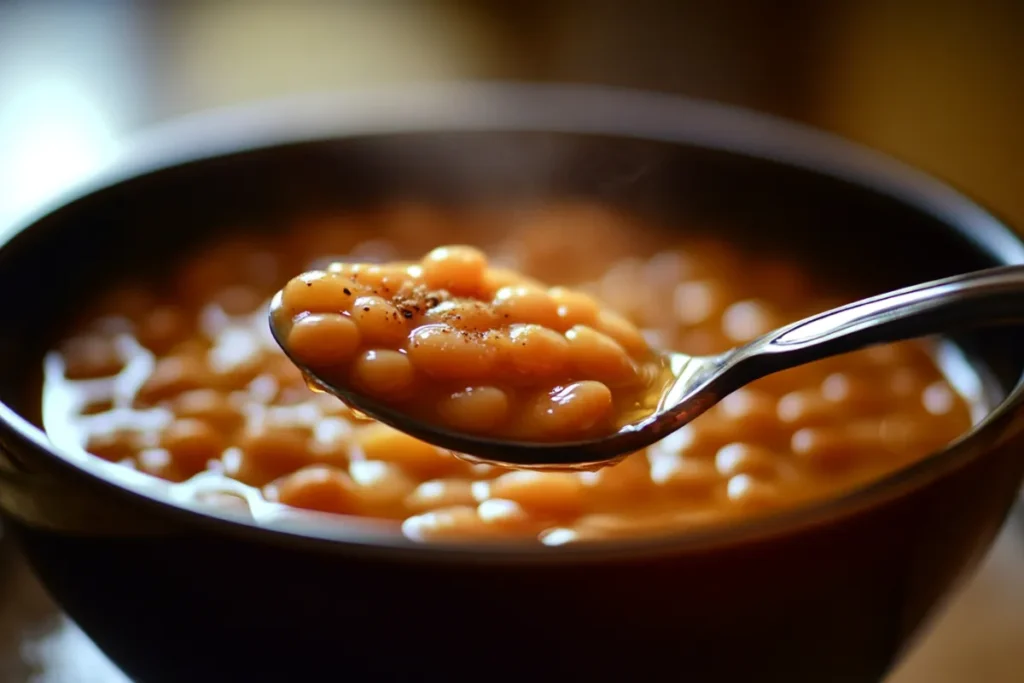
981, 298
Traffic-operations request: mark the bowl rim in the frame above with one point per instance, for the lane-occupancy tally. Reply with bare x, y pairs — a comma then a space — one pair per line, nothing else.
547, 108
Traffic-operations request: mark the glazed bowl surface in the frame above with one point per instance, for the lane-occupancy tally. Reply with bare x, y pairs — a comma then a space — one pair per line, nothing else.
172, 591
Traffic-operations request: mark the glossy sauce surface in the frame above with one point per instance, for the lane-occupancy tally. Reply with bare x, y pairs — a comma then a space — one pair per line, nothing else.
453, 342
180, 379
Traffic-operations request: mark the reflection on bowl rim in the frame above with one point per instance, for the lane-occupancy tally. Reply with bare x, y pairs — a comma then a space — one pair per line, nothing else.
570, 109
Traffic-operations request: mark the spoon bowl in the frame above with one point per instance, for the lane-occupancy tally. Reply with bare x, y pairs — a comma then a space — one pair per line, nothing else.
985, 297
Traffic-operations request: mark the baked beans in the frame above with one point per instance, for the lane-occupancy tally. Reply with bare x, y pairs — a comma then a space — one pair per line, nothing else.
181, 378
450, 340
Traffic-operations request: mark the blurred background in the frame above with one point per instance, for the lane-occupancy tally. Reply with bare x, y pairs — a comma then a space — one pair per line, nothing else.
939, 84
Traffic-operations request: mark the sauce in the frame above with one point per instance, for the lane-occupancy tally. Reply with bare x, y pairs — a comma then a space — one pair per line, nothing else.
178, 384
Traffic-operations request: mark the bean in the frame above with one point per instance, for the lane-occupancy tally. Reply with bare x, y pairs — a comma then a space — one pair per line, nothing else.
458, 269
158, 462
269, 452
626, 480
379, 322
535, 351
323, 340
855, 396
451, 523
171, 376
745, 320
320, 488
551, 493
474, 409
622, 331
465, 315
504, 515
192, 443
525, 304
834, 448
701, 438
210, 406
381, 280
380, 442
573, 307
89, 357
746, 458
442, 351
440, 493
568, 411
699, 302
238, 300
497, 278
806, 408
160, 329
754, 412
597, 356
684, 476
383, 374
318, 292
382, 486
113, 445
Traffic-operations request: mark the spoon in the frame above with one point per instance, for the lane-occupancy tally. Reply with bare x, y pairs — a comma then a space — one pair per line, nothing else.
979, 298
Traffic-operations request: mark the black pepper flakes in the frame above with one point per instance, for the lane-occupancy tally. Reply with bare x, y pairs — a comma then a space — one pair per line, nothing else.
347, 291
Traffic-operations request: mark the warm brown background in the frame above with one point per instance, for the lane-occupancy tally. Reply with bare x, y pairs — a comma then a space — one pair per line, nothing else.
938, 84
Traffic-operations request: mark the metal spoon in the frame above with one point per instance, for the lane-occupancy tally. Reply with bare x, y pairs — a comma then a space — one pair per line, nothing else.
975, 299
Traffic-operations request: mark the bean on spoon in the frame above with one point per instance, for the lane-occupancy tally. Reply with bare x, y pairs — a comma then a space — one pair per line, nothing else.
495, 367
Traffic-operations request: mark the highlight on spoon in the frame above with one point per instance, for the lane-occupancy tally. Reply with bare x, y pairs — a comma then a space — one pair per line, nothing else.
463, 347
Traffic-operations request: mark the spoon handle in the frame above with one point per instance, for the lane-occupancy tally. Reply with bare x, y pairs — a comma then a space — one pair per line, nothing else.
980, 298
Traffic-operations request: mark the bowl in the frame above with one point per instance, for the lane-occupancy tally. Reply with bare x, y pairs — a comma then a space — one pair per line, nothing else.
172, 591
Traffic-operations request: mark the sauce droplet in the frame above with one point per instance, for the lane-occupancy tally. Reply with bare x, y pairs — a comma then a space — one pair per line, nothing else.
312, 383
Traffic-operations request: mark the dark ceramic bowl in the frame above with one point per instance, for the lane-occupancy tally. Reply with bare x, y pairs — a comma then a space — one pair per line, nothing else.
831, 592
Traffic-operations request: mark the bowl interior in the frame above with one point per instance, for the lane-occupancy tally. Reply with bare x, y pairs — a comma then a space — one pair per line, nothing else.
854, 237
